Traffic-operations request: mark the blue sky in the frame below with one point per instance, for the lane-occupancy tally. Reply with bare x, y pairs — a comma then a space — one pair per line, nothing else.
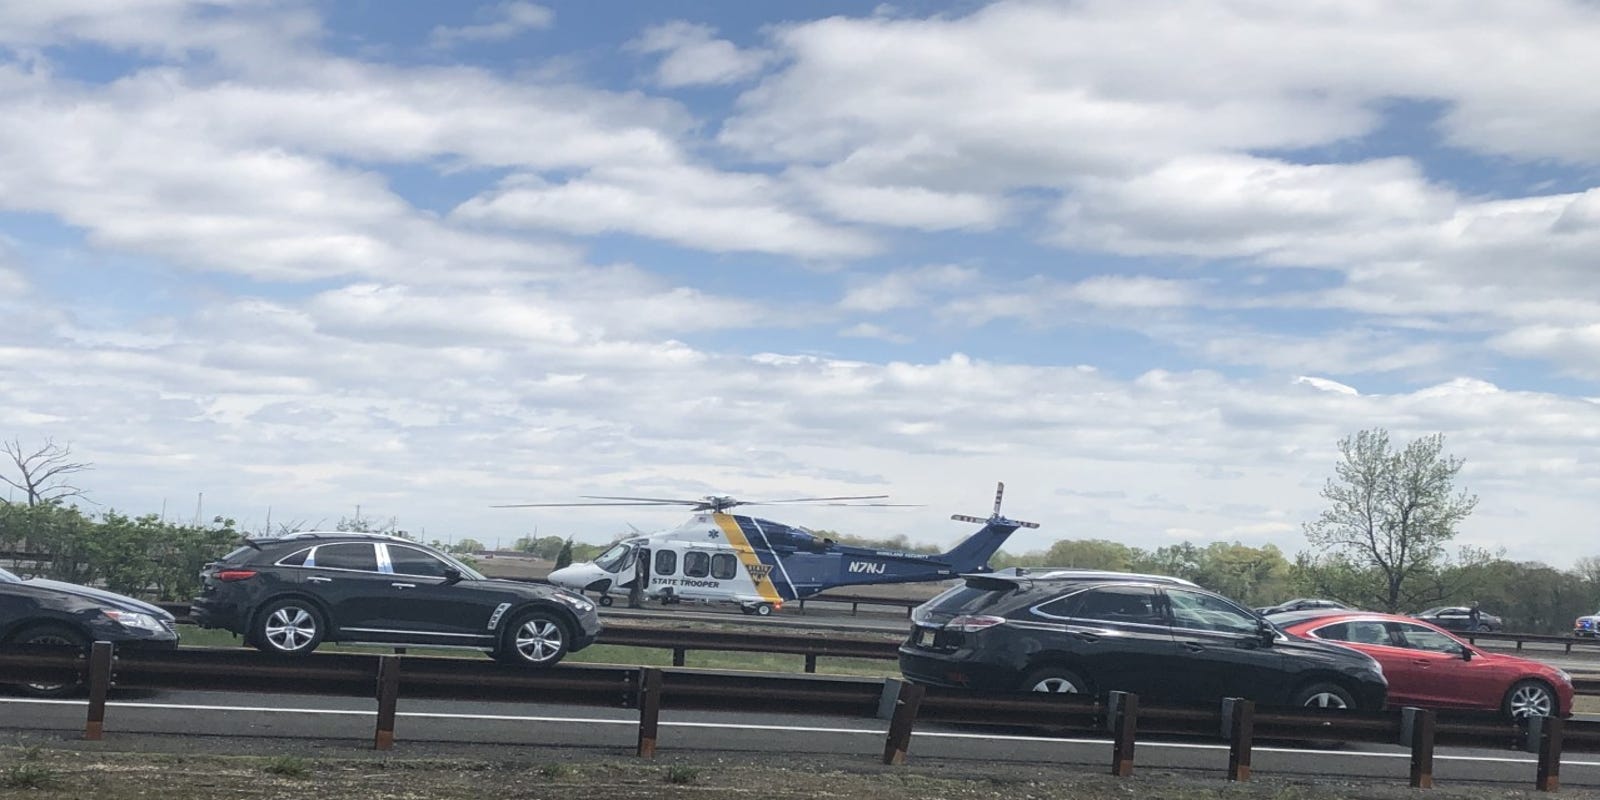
1146, 263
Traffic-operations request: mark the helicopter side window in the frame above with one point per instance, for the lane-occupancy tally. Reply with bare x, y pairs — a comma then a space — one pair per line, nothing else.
724, 566
666, 562
696, 564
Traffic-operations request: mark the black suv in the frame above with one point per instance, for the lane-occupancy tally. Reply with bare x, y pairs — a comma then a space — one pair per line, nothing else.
1164, 639
287, 595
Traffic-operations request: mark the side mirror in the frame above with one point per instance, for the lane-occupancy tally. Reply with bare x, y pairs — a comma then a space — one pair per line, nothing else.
1466, 653
452, 575
1266, 633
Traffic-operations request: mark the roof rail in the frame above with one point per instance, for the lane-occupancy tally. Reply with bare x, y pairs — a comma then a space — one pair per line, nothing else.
1019, 574
330, 535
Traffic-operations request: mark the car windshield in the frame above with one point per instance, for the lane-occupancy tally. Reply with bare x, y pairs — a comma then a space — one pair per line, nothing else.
1430, 612
6, 577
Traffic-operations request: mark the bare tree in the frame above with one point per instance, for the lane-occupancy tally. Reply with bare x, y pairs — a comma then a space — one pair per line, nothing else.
42, 475
1392, 511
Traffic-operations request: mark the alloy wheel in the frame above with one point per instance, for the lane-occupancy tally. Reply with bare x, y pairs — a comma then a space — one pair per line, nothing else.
50, 639
539, 640
1325, 700
1055, 686
291, 628
1531, 701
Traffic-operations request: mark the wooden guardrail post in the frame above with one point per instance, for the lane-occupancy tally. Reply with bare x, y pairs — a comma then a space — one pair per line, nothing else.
100, 657
1416, 732
1123, 716
649, 711
906, 706
388, 700
1549, 731
811, 663
1238, 724
677, 656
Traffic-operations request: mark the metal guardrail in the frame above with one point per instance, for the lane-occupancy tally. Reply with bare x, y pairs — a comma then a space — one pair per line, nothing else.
386, 678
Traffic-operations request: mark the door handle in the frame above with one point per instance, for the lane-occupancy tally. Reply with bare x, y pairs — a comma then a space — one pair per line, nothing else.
1421, 662
1194, 648
403, 585
318, 579
1085, 637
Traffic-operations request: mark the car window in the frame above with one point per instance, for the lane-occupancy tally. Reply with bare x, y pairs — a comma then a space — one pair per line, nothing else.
1453, 612
1061, 607
411, 561
1120, 604
1207, 613
696, 564
724, 566
353, 555
295, 559
666, 562
1420, 638
1364, 631
965, 600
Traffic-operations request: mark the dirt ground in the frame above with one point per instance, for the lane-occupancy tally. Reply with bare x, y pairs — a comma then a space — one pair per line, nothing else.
176, 769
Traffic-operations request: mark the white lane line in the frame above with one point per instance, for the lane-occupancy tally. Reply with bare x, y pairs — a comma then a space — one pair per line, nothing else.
781, 728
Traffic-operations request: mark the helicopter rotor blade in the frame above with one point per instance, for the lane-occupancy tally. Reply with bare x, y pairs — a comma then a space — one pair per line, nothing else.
658, 500
818, 499
575, 505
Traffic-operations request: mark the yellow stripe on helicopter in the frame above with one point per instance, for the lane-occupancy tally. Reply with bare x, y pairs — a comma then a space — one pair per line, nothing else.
760, 573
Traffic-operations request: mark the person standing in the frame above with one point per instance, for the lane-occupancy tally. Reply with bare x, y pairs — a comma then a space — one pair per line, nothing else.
1473, 615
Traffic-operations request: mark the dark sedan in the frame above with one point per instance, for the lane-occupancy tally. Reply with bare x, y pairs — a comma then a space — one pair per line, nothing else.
1461, 618
42, 611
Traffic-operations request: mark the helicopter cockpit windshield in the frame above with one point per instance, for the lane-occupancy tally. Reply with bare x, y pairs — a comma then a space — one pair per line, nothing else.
616, 558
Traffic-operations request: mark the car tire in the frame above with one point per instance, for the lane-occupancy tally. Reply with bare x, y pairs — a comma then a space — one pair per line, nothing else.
1529, 698
56, 635
606, 601
537, 638
1056, 680
290, 627
1483, 627
762, 610
1323, 695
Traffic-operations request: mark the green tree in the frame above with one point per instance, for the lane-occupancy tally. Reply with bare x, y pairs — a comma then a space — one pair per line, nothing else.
564, 557
468, 545
1390, 516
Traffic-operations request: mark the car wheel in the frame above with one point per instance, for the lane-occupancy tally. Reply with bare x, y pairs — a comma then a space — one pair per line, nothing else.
606, 600
1529, 698
288, 627
535, 639
1324, 695
1483, 627
763, 609
1055, 680
51, 635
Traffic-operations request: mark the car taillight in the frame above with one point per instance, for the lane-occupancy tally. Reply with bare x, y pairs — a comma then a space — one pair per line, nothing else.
236, 574
973, 624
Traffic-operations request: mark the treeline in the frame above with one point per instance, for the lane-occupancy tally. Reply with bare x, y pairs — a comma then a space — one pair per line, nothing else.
139, 556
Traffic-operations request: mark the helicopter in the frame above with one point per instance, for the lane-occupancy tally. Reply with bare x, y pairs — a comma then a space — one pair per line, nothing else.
757, 564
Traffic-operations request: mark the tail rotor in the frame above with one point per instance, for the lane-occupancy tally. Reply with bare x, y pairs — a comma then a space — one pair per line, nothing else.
995, 518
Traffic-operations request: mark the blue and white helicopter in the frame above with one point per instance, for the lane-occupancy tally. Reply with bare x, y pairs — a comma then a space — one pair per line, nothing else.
757, 564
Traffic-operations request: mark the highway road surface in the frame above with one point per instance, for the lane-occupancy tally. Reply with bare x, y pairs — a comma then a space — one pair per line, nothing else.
240, 722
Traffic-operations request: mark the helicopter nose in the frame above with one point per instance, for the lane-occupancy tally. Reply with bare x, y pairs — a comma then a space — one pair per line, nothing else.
574, 577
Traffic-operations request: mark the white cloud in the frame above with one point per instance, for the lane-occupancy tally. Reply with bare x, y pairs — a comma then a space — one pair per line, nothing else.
690, 206
691, 55
907, 287
500, 22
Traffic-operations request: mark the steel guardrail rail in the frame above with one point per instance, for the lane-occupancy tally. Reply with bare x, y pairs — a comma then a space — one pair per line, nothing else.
387, 677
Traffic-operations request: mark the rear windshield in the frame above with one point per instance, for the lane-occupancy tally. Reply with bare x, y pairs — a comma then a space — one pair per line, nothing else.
238, 555
966, 600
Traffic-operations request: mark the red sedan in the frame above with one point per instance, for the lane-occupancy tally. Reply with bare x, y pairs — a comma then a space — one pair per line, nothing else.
1429, 668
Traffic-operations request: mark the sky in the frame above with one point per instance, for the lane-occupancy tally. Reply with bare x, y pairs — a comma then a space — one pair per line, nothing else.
1146, 263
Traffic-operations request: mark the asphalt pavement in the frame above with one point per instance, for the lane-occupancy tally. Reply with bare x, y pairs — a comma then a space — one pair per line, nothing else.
244, 721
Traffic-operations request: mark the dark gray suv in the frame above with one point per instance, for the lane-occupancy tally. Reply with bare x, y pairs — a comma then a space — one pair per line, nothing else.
287, 595
1164, 639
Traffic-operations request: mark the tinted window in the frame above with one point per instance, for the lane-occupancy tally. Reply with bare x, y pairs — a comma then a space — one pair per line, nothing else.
666, 562
238, 555
966, 600
1120, 604
295, 559
1061, 606
724, 566
1420, 638
410, 561
1357, 632
696, 564
1206, 613
360, 556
